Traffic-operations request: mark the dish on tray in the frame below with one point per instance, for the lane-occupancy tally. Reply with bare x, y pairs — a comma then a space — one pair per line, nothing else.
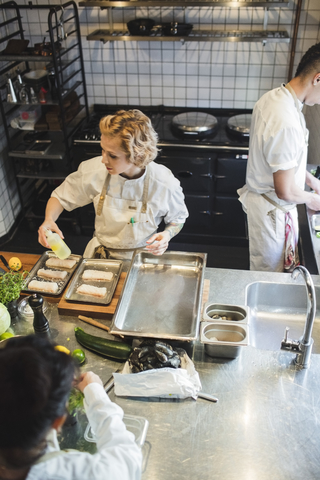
102, 290
41, 266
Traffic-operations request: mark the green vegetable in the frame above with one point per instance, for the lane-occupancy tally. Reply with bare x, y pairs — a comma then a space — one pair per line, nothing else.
75, 403
11, 284
108, 348
5, 319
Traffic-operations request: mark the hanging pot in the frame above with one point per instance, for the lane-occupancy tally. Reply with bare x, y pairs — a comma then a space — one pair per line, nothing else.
140, 26
175, 28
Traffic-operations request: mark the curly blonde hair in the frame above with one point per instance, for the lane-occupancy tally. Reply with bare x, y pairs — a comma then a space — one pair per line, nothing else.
138, 138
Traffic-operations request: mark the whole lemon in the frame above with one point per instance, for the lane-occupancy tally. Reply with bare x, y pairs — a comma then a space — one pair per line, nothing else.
15, 263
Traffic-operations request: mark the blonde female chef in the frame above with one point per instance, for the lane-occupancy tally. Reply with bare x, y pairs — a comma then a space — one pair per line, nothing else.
131, 193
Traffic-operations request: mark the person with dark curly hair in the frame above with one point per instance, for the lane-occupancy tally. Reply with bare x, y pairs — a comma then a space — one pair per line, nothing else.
131, 193
36, 380
276, 170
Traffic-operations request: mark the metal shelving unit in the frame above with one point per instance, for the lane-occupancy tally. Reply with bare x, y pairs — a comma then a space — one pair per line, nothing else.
264, 35
184, 3
195, 36
66, 60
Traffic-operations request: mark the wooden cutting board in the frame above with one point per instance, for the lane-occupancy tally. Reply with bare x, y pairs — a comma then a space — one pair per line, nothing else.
93, 310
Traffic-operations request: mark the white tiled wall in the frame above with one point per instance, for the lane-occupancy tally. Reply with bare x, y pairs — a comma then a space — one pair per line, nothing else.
204, 74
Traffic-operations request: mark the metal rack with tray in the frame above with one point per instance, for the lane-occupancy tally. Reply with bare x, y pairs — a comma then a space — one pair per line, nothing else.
41, 263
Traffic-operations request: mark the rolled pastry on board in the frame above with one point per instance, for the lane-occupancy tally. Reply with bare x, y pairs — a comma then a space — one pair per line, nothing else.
50, 287
59, 274
97, 275
91, 290
56, 262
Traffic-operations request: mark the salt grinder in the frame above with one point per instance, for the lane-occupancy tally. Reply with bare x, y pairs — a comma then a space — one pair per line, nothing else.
40, 323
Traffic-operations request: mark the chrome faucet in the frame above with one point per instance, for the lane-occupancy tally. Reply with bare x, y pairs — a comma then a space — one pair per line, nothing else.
303, 346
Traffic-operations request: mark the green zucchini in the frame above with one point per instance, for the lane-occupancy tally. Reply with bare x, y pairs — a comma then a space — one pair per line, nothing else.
108, 348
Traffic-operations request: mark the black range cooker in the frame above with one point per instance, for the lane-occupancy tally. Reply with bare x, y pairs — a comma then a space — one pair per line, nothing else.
207, 150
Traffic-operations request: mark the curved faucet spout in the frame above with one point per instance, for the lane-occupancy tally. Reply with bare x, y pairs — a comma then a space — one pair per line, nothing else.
311, 302
303, 346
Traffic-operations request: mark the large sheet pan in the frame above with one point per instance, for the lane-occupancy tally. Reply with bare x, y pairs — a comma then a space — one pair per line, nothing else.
161, 297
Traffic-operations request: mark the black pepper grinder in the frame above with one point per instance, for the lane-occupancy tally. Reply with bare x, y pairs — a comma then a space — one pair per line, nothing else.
40, 323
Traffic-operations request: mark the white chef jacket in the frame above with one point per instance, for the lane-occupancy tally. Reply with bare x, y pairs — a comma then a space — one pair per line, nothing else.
118, 456
165, 196
278, 141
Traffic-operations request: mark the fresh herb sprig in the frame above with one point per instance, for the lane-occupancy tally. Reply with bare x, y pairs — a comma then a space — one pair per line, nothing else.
75, 403
11, 284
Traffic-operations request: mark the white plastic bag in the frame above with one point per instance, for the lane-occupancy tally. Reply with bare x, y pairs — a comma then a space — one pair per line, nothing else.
161, 382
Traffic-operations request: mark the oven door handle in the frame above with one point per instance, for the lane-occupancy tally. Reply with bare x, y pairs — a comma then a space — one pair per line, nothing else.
217, 213
185, 174
220, 176
206, 212
207, 175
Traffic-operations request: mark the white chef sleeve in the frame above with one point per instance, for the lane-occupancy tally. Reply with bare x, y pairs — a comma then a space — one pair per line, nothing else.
80, 187
118, 455
283, 149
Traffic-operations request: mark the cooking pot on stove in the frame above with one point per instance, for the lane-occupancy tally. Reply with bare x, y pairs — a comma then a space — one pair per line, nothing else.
239, 125
175, 28
194, 124
140, 26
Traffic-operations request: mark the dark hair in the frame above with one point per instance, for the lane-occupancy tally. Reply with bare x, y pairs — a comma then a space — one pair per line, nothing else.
35, 381
310, 62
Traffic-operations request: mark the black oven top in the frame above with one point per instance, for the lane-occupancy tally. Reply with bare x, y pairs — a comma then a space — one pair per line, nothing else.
161, 118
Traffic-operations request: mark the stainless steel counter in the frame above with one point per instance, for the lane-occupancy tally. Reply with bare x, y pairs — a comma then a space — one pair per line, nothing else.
265, 425
315, 241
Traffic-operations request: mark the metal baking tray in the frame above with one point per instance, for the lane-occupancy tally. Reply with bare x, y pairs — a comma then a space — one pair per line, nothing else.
41, 263
161, 296
114, 266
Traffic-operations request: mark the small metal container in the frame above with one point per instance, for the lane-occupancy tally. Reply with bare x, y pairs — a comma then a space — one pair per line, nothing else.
223, 339
226, 313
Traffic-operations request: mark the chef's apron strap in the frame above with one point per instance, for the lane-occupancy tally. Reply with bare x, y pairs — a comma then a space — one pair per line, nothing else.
103, 195
145, 191
275, 204
291, 255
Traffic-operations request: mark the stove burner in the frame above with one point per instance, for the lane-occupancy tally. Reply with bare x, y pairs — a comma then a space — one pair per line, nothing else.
198, 124
239, 125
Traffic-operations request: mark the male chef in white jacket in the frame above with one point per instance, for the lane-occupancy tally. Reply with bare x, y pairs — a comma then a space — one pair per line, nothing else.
276, 170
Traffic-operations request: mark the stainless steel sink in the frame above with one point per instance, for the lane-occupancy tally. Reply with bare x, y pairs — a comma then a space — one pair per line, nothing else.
275, 306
